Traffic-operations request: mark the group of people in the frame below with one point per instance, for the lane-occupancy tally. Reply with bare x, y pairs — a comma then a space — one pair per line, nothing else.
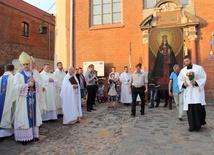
185, 87
28, 97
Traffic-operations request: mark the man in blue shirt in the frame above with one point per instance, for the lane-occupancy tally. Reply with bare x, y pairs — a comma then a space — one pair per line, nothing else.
175, 91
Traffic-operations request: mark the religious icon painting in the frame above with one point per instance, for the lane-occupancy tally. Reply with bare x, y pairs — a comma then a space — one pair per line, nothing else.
165, 50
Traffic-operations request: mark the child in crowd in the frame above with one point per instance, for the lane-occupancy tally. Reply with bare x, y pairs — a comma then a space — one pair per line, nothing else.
100, 92
112, 91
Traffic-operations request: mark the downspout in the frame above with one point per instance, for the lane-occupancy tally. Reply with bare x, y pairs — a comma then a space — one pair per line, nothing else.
49, 41
72, 33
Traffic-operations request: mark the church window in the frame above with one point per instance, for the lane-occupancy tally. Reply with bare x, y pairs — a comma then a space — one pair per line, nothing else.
25, 29
148, 4
106, 12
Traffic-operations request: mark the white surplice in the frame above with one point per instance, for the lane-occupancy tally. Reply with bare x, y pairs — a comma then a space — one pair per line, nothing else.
71, 98
50, 96
193, 94
23, 132
40, 94
60, 76
6, 118
126, 97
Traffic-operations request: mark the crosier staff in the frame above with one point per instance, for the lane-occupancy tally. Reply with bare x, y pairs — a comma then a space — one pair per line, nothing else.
31, 83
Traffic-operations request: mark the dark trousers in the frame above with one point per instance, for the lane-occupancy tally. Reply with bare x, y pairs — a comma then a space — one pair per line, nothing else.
141, 93
167, 98
203, 115
91, 96
154, 96
194, 116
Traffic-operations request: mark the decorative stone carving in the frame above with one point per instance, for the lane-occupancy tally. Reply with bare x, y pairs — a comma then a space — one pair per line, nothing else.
184, 19
192, 37
145, 36
186, 31
167, 7
145, 40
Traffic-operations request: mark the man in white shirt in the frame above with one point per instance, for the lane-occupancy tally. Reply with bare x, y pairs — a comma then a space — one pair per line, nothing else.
71, 97
138, 86
49, 94
59, 74
192, 80
125, 79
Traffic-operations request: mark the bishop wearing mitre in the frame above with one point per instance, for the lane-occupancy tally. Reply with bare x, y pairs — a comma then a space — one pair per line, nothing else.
27, 117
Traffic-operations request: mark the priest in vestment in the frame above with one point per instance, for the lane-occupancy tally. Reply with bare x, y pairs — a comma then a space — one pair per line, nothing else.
71, 97
126, 96
50, 96
40, 86
7, 99
27, 113
59, 74
194, 95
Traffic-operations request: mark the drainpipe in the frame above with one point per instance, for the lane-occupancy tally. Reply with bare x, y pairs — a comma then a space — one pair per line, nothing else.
49, 41
72, 33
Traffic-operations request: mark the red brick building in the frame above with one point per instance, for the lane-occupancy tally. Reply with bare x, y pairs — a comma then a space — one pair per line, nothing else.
106, 30
24, 27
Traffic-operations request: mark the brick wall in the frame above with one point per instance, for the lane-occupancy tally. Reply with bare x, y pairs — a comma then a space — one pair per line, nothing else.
12, 43
204, 13
111, 44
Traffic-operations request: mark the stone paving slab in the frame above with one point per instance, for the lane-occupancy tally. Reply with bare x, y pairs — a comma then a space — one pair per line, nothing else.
114, 132
160, 132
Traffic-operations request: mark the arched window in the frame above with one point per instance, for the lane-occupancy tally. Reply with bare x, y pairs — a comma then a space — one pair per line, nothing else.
25, 29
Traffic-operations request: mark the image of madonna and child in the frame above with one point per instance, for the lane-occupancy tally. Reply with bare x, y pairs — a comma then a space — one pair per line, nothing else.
112, 91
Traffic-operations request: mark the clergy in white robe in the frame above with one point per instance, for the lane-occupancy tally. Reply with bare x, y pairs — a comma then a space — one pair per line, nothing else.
59, 74
126, 96
7, 99
194, 96
50, 96
40, 86
27, 117
71, 97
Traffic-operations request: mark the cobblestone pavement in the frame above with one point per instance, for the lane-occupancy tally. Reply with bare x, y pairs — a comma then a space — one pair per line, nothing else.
115, 132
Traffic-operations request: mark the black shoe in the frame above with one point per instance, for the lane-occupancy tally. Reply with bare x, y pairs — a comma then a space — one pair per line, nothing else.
165, 105
2, 139
89, 110
142, 113
181, 119
24, 143
36, 139
133, 115
151, 106
203, 123
157, 105
93, 109
170, 108
190, 130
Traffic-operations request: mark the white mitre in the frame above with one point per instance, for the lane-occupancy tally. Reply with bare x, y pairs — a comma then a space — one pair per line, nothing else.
24, 58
